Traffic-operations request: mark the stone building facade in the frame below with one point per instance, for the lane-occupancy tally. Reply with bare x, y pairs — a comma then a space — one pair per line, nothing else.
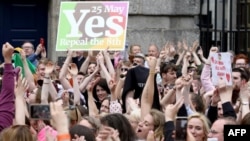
150, 21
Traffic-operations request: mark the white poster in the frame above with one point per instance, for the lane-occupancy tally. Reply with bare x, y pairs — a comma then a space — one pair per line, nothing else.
221, 68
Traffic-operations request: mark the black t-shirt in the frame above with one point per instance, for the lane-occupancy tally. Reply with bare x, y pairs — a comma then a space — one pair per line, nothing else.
135, 80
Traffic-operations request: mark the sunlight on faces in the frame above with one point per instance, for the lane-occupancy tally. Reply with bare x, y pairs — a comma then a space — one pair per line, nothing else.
80, 78
138, 61
135, 50
195, 126
153, 51
217, 129
144, 127
170, 76
101, 93
91, 68
28, 48
236, 79
105, 106
240, 63
41, 71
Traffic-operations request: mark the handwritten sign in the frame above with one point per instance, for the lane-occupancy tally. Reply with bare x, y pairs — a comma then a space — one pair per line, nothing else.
92, 25
221, 68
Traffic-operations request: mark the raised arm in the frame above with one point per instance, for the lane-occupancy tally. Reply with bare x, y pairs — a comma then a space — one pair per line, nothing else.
93, 110
85, 64
170, 115
20, 105
88, 79
74, 71
206, 73
65, 83
197, 60
168, 98
7, 94
181, 52
147, 96
28, 75
186, 60
108, 62
120, 85
100, 60
51, 88
225, 93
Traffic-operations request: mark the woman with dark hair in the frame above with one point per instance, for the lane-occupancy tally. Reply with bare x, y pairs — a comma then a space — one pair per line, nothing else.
120, 123
100, 92
80, 130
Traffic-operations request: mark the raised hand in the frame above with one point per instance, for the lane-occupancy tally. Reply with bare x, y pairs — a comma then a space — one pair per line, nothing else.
39, 49
108, 133
150, 136
200, 52
71, 53
172, 50
23, 55
151, 63
185, 46
7, 51
105, 52
163, 54
72, 68
112, 83
91, 85
21, 86
195, 46
60, 124
174, 108
49, 67
90, 54
100, 58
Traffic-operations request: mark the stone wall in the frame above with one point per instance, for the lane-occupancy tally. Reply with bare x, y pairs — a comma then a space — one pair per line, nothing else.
150, 21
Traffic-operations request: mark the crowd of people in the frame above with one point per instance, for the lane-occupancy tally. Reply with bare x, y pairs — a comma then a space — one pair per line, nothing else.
120, 96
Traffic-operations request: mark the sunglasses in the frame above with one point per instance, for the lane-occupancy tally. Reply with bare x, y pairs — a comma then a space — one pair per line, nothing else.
124, 69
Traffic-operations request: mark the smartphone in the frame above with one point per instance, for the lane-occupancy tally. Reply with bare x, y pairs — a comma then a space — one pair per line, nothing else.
42, 41
39, 111
181, 128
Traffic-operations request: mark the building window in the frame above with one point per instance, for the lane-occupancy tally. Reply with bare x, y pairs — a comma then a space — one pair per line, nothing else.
244, 14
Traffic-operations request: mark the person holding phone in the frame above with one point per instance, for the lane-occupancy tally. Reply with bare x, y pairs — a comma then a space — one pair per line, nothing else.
31, 53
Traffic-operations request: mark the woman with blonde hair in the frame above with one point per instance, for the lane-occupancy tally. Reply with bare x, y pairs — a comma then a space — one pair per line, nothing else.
17, 133
199, 126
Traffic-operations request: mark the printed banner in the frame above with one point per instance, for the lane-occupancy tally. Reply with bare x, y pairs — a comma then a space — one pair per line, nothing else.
92, 25
221, 68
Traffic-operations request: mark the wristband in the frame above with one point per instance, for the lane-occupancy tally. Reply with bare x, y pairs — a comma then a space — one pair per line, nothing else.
244, 103
63, 137
46, 77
